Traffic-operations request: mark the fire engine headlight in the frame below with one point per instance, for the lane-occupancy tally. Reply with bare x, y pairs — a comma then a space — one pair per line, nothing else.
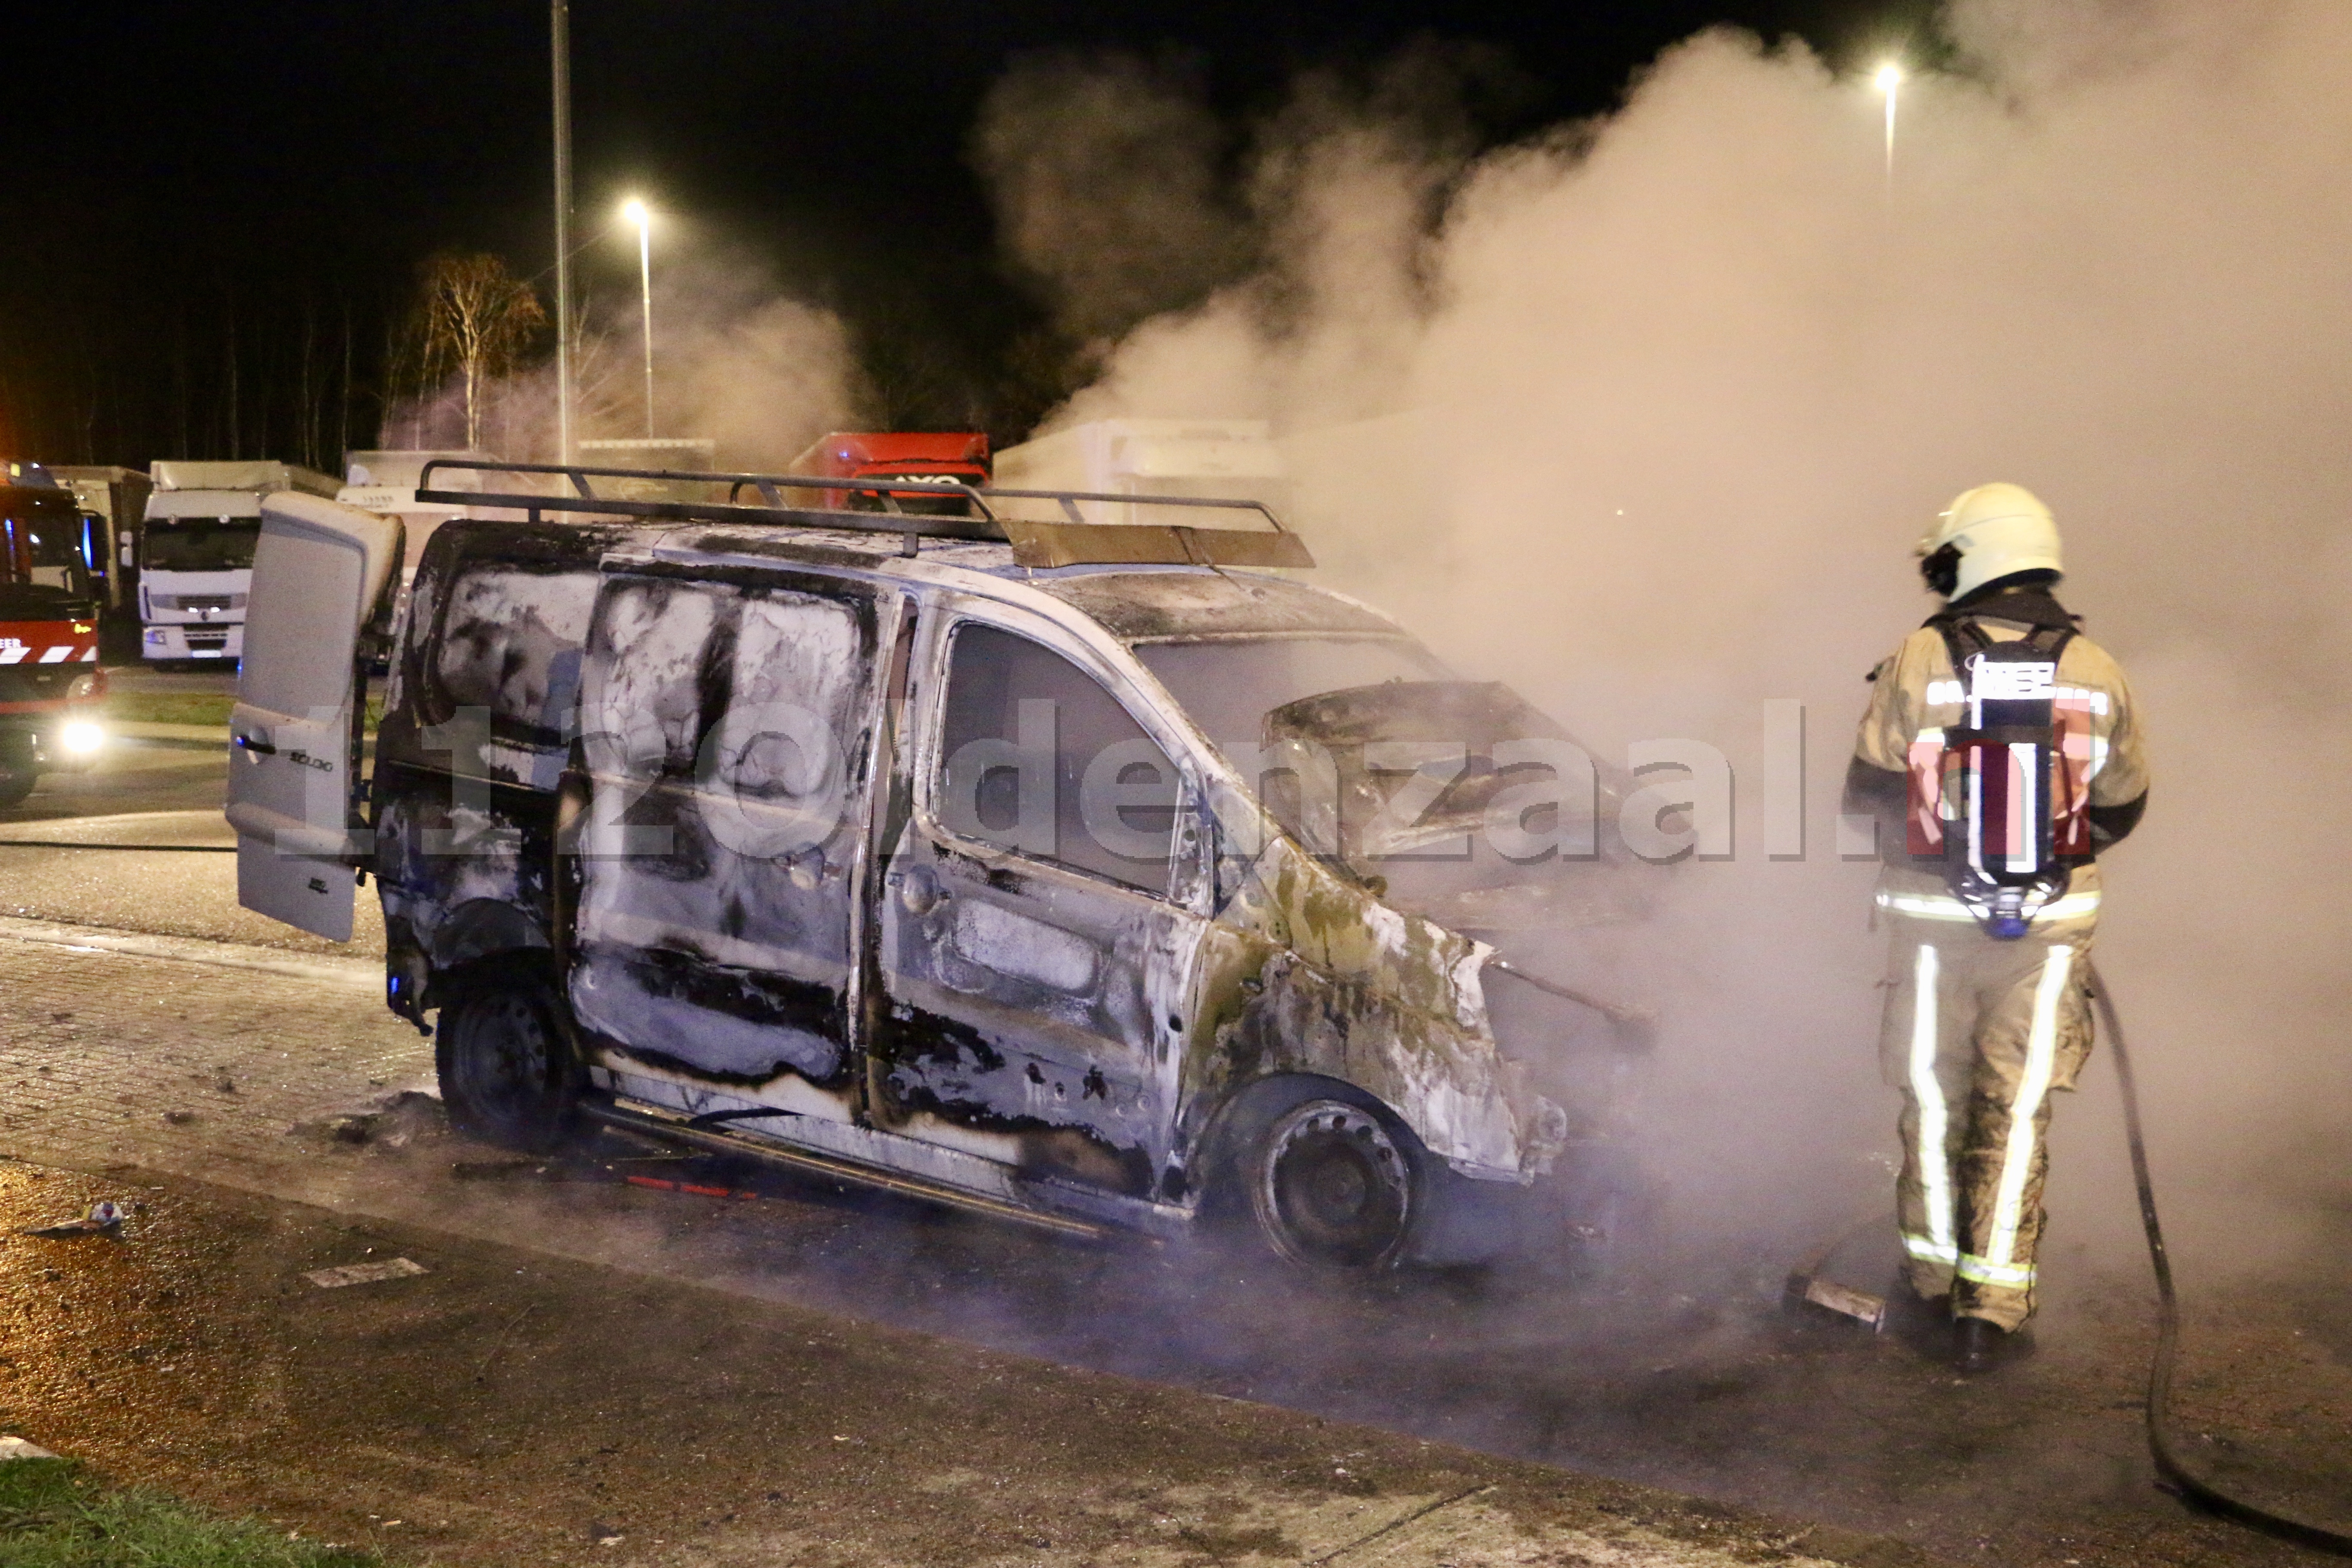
88, 687
80, 737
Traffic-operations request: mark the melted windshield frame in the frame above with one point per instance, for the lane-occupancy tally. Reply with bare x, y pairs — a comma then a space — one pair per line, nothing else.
1313, 776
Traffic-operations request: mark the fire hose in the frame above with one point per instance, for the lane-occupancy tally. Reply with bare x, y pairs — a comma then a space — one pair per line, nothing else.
2170, 1466
1808, 1286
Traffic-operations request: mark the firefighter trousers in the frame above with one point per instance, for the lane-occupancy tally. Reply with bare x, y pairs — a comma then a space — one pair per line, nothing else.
1979, 1034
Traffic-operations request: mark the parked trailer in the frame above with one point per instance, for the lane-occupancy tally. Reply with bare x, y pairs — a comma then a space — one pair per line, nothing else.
1206, 459
384, 482
203, 520
117, 498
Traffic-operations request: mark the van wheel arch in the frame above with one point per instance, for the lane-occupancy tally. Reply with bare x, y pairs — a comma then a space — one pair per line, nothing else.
1319, 1172
507, 1054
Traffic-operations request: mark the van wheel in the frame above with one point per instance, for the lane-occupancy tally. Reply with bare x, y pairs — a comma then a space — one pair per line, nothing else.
1333, 1182
506, 1064
16, 781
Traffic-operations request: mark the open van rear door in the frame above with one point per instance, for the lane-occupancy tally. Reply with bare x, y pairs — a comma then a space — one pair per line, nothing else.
320, 575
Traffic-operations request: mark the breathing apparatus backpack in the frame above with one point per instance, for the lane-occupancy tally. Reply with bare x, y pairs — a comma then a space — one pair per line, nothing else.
1999, 803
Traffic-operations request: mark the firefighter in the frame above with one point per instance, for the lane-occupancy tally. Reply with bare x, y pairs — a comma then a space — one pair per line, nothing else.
2000, 753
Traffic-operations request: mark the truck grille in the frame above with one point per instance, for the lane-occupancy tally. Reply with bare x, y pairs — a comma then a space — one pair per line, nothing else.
196, 600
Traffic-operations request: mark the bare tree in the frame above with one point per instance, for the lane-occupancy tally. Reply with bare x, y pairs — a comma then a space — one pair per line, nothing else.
474, 320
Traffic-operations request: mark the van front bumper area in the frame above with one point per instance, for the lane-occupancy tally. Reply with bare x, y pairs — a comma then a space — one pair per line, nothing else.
1583, 1215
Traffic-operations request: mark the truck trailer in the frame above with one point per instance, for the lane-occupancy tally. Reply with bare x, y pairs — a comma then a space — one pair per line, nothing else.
1197, 459
116, 499
203, 520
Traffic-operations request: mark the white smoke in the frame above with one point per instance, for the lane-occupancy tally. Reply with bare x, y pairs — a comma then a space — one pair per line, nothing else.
736, 361
1647, 417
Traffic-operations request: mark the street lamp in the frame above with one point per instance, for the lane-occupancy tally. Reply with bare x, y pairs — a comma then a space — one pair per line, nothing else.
1889, 80
636, 212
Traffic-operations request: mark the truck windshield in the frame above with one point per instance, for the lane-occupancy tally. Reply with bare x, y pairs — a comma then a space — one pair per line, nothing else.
202, 543
40, 547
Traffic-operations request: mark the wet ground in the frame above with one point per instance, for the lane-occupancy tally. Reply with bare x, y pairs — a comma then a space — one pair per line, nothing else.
1690, 1379
486, 1404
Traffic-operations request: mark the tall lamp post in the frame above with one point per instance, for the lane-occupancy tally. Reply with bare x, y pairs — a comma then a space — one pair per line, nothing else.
559, 30
636, 213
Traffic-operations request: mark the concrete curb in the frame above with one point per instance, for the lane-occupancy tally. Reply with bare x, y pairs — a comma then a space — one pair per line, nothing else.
363, 974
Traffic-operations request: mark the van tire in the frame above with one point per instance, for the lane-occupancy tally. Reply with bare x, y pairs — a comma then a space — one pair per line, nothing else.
16, 781
1327, 1178
503, 1050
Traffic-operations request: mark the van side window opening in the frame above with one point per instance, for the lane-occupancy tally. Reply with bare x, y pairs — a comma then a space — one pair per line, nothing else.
1037, 758
510, 643
776, 771
797, 673
654, 643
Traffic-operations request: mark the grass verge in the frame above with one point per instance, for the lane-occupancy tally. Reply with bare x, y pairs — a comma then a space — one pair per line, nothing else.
52, 1515
169, 707
192, 708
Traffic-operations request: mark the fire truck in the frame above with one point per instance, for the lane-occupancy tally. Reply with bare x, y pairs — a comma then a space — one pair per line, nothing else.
961, 455
50, 684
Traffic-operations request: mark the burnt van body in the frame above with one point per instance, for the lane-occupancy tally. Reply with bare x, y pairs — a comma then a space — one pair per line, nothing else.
965, 876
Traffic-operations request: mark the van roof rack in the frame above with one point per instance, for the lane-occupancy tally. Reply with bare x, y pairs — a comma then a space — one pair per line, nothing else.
1072, 543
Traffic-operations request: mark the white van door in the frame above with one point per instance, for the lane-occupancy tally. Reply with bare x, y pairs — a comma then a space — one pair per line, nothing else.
318, 573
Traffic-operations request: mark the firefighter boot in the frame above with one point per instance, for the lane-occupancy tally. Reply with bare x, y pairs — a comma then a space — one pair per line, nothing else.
1922, 1322
1982, 1346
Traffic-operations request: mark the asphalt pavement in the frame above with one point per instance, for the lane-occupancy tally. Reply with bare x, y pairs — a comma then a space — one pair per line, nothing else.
808, 1373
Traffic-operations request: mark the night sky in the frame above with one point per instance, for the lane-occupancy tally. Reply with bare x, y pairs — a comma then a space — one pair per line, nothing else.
217, 207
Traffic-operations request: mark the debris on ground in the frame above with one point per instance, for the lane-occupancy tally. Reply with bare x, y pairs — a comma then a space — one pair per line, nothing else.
365, 1273
388, 1122
688, 1174
103, 1219
17, 1448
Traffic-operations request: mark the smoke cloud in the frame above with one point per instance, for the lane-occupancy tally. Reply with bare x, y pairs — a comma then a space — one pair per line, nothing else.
1643, 415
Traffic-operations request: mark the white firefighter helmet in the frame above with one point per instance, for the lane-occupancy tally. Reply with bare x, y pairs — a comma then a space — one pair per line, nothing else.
1993, 530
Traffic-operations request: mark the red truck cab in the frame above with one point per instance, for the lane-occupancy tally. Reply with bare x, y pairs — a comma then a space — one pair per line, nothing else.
50, 684
961, 455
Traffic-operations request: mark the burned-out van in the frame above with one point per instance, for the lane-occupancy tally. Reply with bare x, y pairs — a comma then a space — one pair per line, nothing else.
1093, 875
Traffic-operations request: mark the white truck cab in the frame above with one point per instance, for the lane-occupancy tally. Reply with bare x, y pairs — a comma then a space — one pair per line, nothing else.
203, 521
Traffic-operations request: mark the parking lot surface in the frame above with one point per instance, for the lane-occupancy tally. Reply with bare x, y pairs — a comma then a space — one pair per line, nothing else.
137, 1044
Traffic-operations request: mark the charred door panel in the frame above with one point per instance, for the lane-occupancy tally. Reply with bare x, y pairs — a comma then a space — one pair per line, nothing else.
481, 709
726, 747
1036, 970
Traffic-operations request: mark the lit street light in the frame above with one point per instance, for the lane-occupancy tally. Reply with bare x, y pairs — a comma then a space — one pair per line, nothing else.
637, 212
1889, 80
